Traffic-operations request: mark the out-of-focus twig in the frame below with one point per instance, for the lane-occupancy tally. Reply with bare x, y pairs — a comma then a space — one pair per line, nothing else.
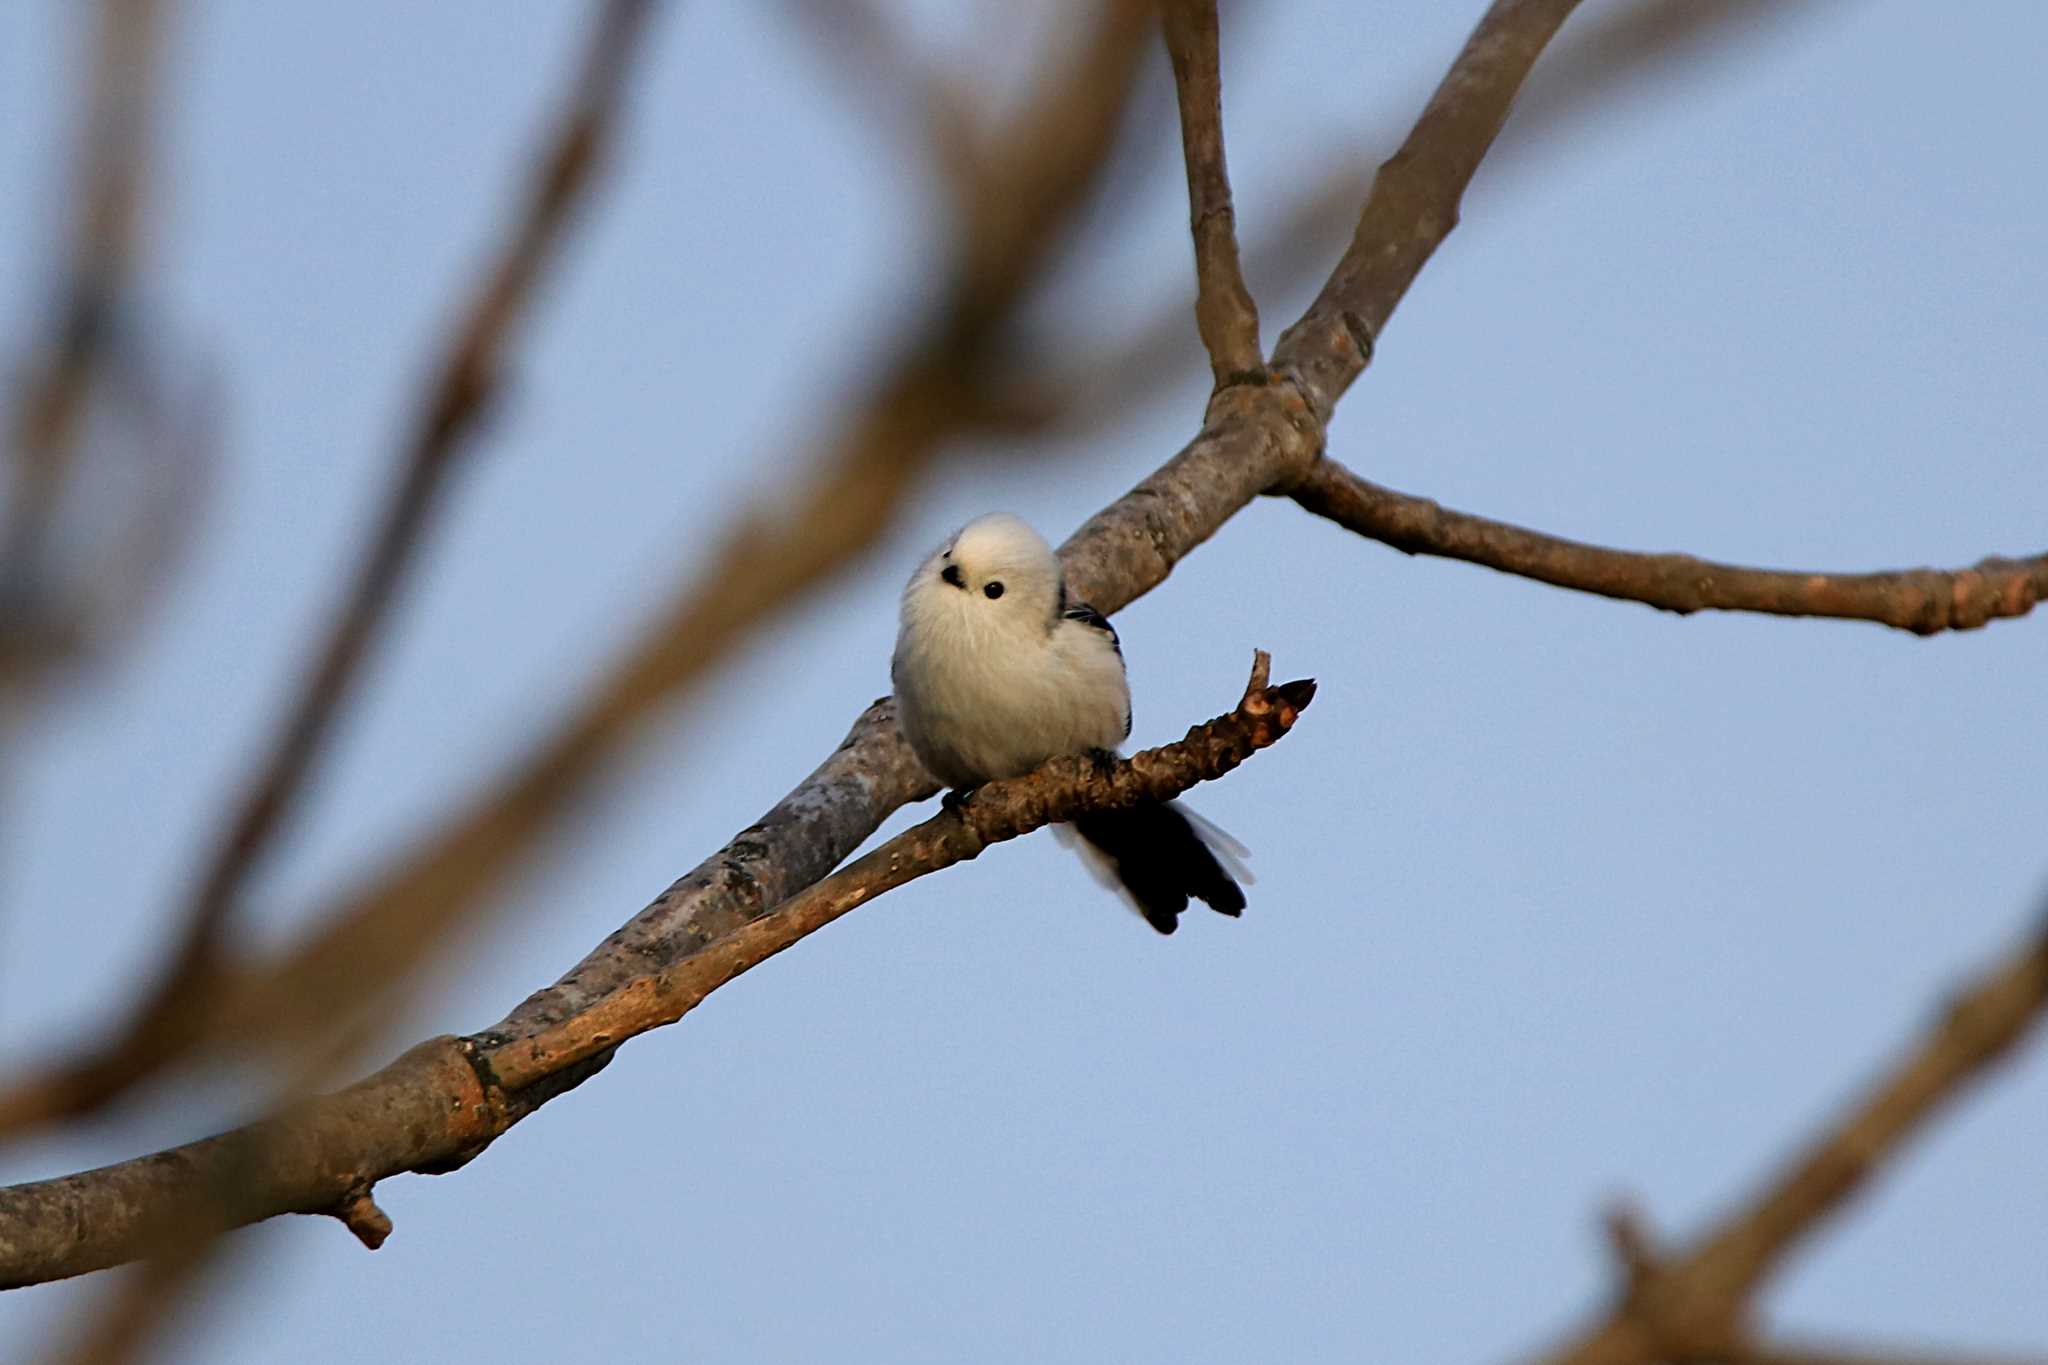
874, 61
115, 163
1225, 315
1924, 601
1693, 1305
170, 1019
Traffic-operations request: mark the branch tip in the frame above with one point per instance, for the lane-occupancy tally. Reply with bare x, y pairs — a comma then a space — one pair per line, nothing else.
1630, 1239
1262, 672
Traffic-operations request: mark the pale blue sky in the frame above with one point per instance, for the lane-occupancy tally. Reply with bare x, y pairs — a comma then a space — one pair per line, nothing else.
1558, 898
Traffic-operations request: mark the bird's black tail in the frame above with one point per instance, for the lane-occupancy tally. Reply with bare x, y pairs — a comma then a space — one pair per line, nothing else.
1162, 860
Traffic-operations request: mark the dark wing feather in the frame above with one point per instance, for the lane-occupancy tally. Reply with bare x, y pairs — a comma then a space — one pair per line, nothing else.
1088, 616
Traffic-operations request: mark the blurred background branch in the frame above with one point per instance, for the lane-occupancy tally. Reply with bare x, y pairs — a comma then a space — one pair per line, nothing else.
170, 1019
54, 612
1694, 1305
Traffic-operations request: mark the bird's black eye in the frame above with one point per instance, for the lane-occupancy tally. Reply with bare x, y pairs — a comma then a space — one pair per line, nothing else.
951, 573
993, 590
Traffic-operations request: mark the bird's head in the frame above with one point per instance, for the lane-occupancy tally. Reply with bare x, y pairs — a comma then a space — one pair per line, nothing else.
995, 567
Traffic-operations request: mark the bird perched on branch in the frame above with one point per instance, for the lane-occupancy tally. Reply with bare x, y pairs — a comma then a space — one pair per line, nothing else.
997, 670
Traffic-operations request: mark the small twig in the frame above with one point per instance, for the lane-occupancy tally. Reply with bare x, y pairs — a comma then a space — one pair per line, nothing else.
877, 66
1629, 1237
1224, 311
115, 160
1690, 1305
360, 1215
1924, 601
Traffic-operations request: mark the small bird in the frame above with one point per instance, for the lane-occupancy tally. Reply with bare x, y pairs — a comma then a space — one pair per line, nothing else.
997, 670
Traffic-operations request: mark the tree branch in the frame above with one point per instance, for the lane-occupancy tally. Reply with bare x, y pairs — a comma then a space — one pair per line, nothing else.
1693, 1305
1414, 201
446, 1100
1924, 601
1224, 312
1639, 46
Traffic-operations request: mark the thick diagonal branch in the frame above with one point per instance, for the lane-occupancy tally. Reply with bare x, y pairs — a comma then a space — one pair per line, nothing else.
1224, 311
997, 812
1924, 601
448, 1099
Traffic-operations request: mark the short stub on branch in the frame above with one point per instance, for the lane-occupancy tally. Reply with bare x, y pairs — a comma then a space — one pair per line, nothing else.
359, 1214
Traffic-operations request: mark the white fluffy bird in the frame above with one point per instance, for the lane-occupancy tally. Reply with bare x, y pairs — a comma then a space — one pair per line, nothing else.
996, 671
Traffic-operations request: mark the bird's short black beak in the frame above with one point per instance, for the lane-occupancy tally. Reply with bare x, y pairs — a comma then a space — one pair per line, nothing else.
951, 573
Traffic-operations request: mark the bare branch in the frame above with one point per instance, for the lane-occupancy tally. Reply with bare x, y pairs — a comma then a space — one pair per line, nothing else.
171, 1018
448, 1099
1924, 601
1224, 311
1693, 1305
1414, 201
